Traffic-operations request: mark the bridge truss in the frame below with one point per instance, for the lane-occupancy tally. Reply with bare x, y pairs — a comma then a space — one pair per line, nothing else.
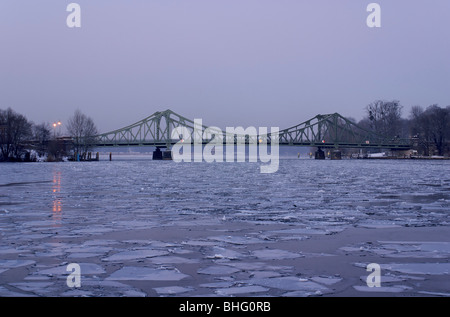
326, 131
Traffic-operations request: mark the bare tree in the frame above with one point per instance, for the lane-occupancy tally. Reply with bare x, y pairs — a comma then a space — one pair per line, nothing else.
431, 128
15, 130
41, 135
385, 117
82, 129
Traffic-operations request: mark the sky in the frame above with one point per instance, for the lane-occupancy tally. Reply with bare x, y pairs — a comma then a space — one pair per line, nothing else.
231, 63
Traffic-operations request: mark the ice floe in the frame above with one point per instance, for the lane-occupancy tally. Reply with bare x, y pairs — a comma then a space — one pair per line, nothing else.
326, 280
222, 253
9, 264
237, 239
132, 273
419, 268
240, 290
382, 289
290, 283
168, 259
134, 255
218, 270
172, 290
271, 254
61, 270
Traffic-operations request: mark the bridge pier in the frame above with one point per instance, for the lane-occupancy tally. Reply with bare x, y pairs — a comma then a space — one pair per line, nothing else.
162, 155
167, 155
320, 154
336, 155
157, 154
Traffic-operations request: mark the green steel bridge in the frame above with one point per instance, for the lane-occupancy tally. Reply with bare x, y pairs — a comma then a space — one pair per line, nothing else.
322, 131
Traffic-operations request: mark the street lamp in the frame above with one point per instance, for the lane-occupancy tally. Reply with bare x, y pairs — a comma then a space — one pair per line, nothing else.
55, 125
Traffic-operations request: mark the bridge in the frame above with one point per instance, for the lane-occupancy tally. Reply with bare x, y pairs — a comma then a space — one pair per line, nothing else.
322, 131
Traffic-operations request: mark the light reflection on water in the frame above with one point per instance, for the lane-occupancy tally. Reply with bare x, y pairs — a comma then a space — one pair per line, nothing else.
57, 200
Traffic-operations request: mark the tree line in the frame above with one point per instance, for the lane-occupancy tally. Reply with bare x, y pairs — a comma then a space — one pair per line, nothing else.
21, 139
428, 128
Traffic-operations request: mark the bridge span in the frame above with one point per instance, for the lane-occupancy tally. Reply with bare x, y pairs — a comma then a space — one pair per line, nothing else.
322, 131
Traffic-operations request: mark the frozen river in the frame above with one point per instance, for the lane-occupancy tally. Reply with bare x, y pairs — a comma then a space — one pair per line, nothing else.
154, 228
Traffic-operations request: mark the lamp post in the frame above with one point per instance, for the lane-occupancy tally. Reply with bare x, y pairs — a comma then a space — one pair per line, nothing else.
55, 126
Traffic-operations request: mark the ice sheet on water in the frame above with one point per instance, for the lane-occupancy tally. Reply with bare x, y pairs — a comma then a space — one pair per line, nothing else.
9, 250
77, 293
133, 293
172, 290
256, 266
264, 274
172, 260
434, 293
134, 224
10, 264
404, 249
380, 224
94, 230
134, 255
303, 293
114, 288
82, 255
382, 289
132, 273
34, 287
162, 244
199, 243
290, 283
89, 249
275, 254
99, 242
50, 254
436, 247
39, 223
237, 239
313, 255
5, 292
222, 253
384, 278
85, 268
326, 280
136, 241
30, 237
419, 268
240, 290
218, 270
217, 285
301, 231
